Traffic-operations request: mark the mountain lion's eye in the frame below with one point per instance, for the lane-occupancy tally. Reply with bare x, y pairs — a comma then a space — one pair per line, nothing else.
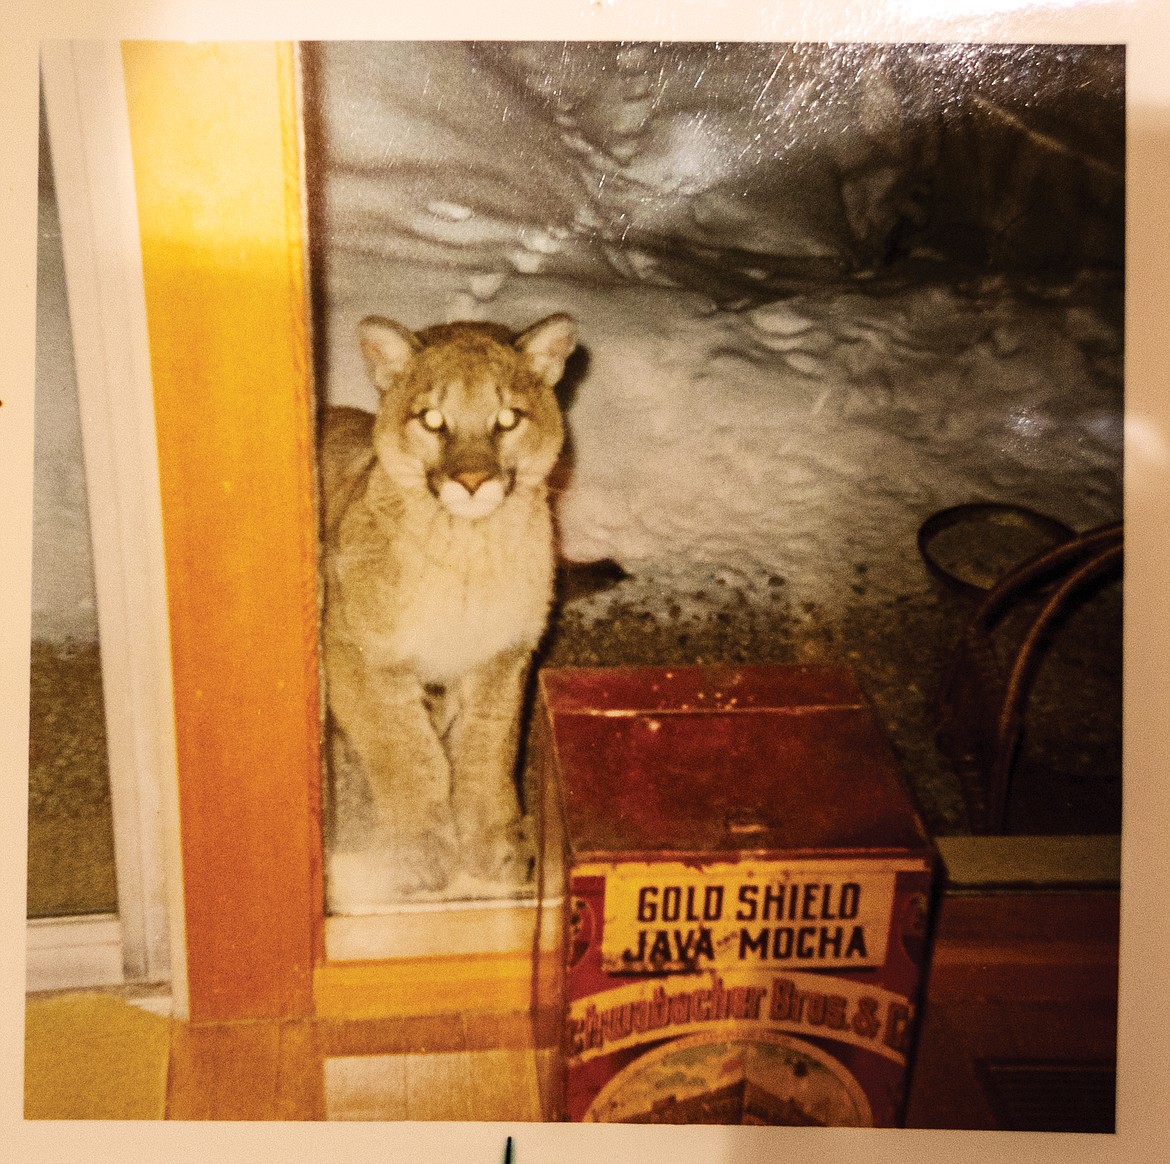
432, 420
507, 418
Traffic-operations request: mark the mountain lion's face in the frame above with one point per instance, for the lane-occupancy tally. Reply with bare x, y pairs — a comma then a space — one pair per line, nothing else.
468, 410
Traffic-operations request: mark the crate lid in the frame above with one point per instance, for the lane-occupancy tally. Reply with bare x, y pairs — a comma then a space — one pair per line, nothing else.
724, 759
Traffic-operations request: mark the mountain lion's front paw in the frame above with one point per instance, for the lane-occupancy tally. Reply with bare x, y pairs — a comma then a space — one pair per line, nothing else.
502, 855
421, 862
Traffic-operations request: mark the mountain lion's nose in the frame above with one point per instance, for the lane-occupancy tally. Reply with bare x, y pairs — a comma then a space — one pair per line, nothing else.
472, 480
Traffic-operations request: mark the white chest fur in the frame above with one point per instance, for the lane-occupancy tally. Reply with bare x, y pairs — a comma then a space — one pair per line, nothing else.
455, 592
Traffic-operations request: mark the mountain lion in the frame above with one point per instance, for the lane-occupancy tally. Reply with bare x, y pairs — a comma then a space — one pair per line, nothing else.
438, 561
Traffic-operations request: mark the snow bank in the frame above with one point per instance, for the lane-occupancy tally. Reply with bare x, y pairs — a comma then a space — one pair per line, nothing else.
767, 394
64, 604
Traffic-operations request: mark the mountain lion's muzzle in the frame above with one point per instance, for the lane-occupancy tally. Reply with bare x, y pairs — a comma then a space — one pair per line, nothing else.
469, 481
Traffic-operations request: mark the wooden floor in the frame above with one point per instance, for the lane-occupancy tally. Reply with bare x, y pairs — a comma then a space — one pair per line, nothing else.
453, 1067
483, 1067
1022, 983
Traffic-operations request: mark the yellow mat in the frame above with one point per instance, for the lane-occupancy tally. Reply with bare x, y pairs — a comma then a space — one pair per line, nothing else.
94, 1057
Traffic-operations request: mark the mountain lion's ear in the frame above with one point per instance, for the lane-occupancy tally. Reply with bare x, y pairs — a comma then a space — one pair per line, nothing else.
548, 344
387, 347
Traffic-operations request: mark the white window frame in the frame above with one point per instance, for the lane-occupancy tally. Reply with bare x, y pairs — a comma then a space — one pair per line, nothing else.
89, 134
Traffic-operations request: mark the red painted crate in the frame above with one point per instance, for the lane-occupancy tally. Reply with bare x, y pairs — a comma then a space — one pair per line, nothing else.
740, 886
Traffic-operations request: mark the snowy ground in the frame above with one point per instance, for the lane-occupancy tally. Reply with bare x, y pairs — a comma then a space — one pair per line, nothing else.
798, 439
823, 293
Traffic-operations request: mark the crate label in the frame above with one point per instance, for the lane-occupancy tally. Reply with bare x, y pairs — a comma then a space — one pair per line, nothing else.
670, 916
740, 1004
768, 1078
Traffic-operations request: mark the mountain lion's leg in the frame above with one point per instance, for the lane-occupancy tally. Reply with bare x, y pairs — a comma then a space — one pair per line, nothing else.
384, 716
482, 743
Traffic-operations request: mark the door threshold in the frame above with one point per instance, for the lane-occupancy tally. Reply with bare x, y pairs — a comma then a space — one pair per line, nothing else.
73, 952
438, 958
439, 929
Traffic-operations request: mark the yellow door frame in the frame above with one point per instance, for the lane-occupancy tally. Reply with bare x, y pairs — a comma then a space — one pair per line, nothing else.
215, 140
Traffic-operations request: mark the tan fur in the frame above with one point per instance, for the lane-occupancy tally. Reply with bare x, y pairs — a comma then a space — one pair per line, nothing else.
438, 562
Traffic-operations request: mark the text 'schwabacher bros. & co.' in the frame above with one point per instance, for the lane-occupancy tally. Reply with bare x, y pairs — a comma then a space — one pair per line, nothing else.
741, 886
